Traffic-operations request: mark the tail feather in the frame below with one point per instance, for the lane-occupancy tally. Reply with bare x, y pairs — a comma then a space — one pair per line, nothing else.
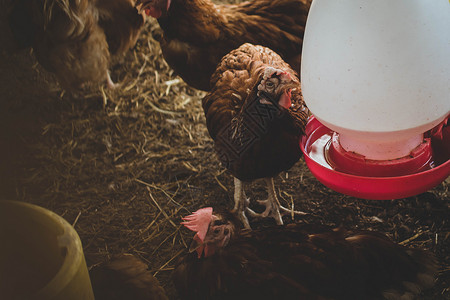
426, 265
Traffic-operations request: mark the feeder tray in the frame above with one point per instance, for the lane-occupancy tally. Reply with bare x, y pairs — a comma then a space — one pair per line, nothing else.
353, 175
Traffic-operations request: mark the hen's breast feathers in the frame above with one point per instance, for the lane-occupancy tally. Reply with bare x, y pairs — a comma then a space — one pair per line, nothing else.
350, 264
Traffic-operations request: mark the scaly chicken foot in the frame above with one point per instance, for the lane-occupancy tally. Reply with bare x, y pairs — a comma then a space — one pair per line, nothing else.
273, 207
241, 202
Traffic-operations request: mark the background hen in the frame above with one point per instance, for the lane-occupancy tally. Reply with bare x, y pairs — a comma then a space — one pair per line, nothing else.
198, 33
255, 114
75, 39
125, 277
297, 261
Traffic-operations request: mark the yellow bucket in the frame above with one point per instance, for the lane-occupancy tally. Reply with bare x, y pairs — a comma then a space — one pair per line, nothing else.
40, 255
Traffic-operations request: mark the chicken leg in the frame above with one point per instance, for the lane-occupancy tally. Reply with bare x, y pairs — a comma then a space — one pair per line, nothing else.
240, 202
273, 207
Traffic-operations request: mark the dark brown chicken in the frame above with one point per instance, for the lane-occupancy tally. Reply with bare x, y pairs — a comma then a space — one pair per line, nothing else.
255, 114
297, 261
75, 39
125, 277
198, 33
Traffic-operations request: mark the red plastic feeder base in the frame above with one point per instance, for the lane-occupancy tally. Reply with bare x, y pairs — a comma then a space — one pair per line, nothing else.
352, 163
353, 175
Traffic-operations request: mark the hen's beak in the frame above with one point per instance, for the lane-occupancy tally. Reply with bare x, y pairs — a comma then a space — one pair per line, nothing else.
284, 101
197, 245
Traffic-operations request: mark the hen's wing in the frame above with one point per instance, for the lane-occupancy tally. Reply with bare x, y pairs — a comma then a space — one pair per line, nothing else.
343, 264
197, 34
278, 25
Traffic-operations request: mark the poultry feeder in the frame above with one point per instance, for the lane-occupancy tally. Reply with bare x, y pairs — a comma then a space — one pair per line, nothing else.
41, 255
376, 77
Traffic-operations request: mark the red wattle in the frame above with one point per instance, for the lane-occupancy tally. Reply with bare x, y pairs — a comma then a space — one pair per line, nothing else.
153, 11
285, 100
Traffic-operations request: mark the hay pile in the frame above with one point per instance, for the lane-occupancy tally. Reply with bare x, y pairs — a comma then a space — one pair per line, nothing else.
123, 166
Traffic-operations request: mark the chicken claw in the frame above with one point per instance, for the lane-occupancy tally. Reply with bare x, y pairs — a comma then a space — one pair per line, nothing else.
109, 83
273, 207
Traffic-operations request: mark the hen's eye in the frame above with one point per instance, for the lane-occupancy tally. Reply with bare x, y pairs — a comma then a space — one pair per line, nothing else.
216, 231
219, 222
271, 84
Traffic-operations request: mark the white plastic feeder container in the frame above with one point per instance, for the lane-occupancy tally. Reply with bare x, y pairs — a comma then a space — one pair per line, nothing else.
378, 72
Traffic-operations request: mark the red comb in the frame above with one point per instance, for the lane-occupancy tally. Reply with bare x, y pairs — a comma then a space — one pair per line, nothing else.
199, 221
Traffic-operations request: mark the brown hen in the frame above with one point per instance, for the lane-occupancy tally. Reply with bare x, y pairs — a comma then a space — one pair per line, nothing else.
198, 33
75, 39
297, 261
125, 277
255, 114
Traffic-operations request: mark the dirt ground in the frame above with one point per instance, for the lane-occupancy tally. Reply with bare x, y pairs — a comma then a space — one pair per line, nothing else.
124, 165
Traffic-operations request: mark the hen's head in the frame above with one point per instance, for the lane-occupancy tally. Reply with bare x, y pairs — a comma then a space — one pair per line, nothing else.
154, 8
275, 86
213, 231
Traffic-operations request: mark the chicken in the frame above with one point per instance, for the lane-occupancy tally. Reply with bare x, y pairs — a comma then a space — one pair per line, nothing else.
75, 39
198, 33
297, 261
125, 277
121, 23
256, 115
